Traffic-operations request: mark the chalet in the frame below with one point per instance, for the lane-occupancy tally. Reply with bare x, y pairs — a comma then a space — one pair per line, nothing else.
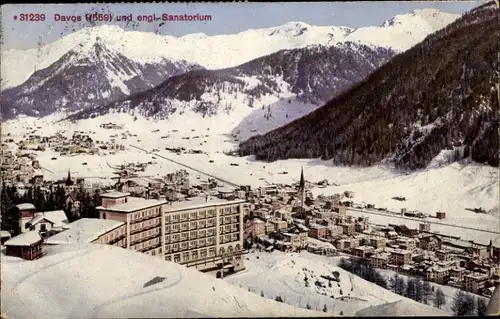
26, 213
26, 246
48, 223
72, 201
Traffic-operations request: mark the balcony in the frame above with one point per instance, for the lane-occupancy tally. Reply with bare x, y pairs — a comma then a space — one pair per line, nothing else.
150, 247
144, 238
143, 218
117, 239
145, 227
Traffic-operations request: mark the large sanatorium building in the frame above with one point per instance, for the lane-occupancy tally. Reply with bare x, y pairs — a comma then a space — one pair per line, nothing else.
204, 232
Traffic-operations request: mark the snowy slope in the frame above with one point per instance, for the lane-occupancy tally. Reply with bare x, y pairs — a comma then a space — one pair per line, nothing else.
75, 281
222, 51
403, 31
401, 308
277, 273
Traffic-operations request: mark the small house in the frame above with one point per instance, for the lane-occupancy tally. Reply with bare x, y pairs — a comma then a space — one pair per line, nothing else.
26, 246
5, 235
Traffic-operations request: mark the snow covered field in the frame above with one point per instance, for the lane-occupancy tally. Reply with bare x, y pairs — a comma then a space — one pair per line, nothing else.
277, 273
451, 188
64, 283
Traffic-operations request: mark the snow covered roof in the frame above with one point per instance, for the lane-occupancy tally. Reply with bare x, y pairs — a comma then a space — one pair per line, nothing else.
200, 202
25, 239
403, 307
84, 230
181, 292
114, 194
25, 206
57, 217
4, 234
133, 204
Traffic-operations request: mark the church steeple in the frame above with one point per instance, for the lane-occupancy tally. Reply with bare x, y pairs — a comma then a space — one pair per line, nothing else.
302, 188
302, 182
69, 181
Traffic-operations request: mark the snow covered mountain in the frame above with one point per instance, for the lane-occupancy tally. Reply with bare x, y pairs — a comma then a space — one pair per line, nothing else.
310, 75
221, 51
89, 74
416, 108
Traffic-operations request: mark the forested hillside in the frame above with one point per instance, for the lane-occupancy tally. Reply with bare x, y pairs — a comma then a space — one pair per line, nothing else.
441, 94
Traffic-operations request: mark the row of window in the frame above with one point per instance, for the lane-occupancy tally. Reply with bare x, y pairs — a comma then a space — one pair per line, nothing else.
176, 218
223, 239
175, 228
145, 234
194, 255
146, 244
145, 224
229, 219
229, 228
113, 235
229, 210
147, 213
175, 245
200, 254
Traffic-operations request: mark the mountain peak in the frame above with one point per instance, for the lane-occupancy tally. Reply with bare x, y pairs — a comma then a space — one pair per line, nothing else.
430, 15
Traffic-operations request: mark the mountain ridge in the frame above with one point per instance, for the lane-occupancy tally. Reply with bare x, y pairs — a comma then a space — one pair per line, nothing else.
286, 73
439, 107
83, 77
18, 65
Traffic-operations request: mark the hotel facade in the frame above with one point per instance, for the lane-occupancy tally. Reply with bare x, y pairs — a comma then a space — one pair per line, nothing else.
204, 232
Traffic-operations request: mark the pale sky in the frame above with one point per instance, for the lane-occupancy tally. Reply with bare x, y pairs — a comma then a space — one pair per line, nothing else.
227, 18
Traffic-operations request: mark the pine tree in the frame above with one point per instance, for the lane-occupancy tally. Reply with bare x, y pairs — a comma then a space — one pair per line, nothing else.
459, 305
440, 299
469, 304
481, 306
411, 289
426, 292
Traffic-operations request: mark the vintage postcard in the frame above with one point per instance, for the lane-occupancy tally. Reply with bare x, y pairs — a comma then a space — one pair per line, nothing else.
175, 160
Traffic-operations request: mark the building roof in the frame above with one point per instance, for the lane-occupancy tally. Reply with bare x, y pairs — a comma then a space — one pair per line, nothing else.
26, 239
84, 230
200, 202
115, 194
57, 217
5, 234
133, 204
25, 206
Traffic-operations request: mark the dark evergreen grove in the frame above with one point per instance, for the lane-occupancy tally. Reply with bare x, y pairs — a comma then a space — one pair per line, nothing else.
56, 199
363, 269
440, 94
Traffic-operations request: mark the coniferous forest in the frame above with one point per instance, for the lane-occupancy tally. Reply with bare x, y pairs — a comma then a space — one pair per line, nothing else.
56, 199
442, 94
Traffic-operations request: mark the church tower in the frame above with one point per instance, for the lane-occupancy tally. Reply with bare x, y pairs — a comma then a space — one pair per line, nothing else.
302, 188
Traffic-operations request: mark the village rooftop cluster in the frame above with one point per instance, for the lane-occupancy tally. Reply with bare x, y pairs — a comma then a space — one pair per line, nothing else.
210, 226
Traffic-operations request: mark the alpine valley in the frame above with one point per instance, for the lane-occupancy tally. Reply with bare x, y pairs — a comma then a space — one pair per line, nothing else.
407, 107
379, 142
